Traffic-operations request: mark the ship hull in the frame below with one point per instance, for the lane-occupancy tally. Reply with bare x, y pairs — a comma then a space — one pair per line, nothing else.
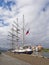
27, 52
23, 50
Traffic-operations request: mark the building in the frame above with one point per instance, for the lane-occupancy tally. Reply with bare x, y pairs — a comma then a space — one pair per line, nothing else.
37, 48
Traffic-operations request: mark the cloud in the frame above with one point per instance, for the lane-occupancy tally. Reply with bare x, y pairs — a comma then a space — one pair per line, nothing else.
3, 23
36, 17
7, 4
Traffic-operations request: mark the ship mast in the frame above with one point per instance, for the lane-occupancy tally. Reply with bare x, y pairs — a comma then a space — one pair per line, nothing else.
12, 40
13, 36
17, 32
23, 30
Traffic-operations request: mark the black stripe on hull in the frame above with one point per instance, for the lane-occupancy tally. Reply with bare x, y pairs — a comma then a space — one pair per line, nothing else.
27, 52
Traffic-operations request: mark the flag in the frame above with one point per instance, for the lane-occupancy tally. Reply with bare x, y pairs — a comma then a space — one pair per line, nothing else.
27, 32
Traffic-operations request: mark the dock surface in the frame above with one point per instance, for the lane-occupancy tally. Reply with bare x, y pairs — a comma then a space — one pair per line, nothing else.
33, 60
8, 60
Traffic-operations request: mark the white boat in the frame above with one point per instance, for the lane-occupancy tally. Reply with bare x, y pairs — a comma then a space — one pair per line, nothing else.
23, 50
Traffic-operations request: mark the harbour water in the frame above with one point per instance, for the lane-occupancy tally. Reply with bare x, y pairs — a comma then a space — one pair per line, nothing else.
44, 54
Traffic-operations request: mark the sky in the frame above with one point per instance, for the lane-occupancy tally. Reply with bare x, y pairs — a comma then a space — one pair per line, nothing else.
36, 19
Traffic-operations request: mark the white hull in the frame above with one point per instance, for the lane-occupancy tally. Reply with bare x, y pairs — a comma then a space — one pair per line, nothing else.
23, 51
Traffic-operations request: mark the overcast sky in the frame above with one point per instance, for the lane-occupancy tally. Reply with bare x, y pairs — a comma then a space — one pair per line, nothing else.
36, 15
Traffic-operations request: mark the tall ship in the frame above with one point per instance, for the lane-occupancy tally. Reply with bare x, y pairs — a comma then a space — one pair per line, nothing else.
24, 49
